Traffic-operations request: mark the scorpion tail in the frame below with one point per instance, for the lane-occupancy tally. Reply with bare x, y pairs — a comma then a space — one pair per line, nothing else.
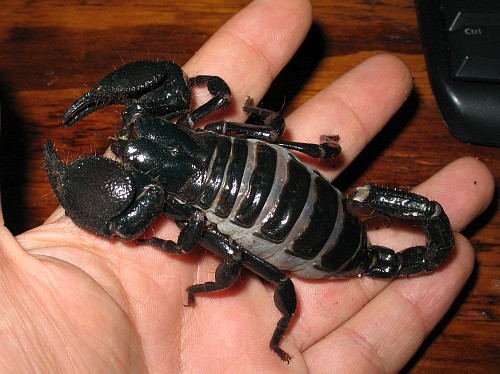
385, 262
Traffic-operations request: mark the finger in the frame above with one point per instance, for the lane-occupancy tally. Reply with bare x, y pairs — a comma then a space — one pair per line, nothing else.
386, 333
327, 305
464, 188
11, 251
356, 107
56, 215
251, 48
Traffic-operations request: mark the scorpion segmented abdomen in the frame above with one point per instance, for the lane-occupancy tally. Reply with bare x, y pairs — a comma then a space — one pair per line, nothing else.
216, 170
233, 176
290, 204
261, 181
285, 212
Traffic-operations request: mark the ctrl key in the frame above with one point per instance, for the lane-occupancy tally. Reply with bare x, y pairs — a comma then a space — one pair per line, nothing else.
474, 41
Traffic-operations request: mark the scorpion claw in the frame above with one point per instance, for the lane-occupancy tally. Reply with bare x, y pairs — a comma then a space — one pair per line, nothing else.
87, 190
82, 108
153, 86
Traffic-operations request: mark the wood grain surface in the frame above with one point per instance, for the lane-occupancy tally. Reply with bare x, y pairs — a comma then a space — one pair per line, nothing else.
52, 50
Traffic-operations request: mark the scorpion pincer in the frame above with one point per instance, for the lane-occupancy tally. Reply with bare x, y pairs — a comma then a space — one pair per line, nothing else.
235, 188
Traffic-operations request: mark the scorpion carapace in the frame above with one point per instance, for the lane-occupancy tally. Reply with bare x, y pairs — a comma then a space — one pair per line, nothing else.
235, 188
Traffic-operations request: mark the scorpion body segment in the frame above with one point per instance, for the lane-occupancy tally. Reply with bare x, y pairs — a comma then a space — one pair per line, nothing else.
262, 197
235, 188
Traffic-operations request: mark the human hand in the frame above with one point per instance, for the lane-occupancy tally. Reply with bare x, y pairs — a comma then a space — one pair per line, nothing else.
76, 302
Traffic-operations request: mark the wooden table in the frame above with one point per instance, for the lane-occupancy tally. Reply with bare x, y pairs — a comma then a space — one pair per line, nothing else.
50, 50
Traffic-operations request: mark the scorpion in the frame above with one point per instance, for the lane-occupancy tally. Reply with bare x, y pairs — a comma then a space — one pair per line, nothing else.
237, 189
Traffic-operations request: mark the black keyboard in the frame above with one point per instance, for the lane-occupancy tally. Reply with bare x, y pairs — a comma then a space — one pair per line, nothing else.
461, 40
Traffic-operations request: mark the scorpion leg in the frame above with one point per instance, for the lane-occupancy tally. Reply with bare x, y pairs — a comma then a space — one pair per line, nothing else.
188, 237
269, 118
271, 130
227, 273
326, 149
385, 262
284, 297
222, 97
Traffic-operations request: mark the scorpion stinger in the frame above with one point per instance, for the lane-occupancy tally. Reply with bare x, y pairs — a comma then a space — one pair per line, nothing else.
235, 188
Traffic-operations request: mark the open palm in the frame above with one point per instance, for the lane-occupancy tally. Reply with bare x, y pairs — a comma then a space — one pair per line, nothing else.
73, 302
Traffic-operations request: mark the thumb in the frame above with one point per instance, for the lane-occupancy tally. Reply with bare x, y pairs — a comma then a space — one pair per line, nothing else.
10, 249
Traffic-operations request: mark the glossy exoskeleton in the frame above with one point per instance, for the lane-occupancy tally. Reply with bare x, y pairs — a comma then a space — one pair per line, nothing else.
234, 188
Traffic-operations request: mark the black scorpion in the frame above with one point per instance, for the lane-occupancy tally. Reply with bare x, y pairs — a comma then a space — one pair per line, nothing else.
234, 188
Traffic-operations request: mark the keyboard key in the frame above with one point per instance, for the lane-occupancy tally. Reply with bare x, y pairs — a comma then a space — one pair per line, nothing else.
473, 40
